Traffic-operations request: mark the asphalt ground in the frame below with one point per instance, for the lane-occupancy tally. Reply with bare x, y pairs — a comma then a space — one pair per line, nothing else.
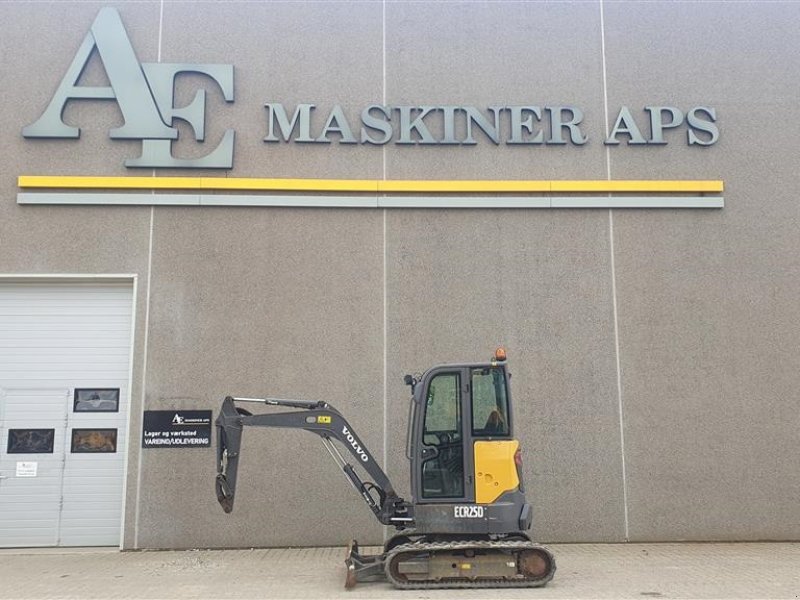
638, 571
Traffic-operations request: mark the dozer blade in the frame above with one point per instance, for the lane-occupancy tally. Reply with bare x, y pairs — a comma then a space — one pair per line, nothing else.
362, 567
350, 580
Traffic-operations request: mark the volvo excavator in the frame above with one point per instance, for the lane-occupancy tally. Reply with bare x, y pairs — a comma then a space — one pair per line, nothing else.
465, 525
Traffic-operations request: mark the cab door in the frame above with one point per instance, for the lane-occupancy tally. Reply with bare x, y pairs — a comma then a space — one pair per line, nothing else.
494, 449
442, 466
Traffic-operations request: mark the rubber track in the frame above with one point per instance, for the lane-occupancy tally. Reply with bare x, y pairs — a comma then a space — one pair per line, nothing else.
499, 582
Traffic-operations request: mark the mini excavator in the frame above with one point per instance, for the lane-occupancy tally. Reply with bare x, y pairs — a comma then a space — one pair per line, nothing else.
466, 523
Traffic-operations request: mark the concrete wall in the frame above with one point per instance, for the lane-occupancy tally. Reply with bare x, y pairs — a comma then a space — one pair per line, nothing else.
653, 351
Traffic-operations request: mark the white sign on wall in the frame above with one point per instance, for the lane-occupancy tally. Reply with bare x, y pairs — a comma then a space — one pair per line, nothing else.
27, 469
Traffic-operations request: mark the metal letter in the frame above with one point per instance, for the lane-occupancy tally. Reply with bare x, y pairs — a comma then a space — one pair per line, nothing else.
707, 125
301, 113
158, 153
342, 127
657, 125
376, 124
128, 87
449, 118
475, 116
161, 77
625, 124
517, 124
407, 125
557, 123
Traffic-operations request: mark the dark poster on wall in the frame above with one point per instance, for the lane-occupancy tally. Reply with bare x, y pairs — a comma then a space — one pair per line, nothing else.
176, 429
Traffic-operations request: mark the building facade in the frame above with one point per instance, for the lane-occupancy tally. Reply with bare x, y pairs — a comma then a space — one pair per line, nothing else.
312, 199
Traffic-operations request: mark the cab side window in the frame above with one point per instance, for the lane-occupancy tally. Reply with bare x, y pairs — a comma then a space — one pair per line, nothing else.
489, 403
443, 408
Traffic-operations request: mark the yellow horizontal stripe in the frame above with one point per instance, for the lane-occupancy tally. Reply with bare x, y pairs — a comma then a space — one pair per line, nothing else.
368, 185
294, 185
464, 186
130, 183
637, 186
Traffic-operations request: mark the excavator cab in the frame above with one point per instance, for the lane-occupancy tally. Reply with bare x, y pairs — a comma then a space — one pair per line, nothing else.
466, 523
462, 451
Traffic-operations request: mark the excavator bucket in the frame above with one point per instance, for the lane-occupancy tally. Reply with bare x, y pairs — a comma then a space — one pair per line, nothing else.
229, 441
224, 493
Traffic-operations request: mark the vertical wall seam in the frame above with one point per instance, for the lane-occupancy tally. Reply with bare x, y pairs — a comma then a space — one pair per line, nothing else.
129, 411
614, 288
144, 376
385, 317
160, 28
146, 317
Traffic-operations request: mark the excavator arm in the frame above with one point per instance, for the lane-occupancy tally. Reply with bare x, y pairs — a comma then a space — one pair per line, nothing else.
323, 420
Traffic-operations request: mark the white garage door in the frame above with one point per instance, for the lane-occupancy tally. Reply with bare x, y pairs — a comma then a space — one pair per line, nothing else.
65, 352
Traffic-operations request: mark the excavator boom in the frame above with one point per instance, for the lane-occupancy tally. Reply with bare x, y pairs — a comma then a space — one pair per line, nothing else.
323, 420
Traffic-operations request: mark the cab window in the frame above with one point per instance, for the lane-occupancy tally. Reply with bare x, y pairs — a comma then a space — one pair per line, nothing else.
443, 472
489, 403
443, 408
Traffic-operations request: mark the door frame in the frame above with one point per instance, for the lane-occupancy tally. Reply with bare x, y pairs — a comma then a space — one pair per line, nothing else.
466, 436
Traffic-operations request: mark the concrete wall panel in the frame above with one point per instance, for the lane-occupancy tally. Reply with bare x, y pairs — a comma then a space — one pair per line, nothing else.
707, 300
282, 303
550, 306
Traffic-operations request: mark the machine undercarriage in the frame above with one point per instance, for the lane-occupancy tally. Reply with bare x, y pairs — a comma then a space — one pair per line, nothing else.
433, 562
